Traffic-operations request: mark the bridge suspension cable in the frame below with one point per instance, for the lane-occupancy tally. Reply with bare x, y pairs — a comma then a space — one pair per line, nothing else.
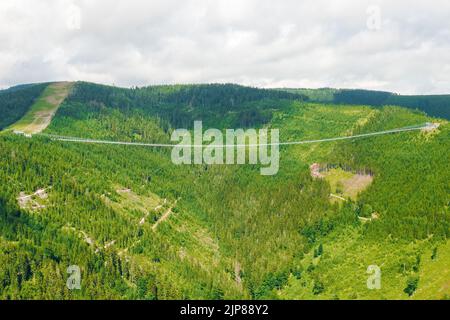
165, 145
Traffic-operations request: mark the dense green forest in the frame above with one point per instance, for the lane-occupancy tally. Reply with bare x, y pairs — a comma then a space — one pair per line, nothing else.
433, 105
218, 105
14, 102
140, 227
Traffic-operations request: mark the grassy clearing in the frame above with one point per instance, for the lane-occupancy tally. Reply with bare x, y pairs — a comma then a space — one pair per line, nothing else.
434, 280
347, 184
42, 111
139, 208
342, 269
306, 121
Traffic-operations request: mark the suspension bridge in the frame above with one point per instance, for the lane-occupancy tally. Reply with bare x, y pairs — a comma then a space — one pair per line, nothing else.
426, 126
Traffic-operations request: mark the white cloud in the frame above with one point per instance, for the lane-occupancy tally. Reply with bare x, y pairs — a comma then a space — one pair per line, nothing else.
73, 21
310, 43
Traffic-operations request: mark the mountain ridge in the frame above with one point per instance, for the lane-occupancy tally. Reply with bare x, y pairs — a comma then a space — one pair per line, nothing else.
231, 233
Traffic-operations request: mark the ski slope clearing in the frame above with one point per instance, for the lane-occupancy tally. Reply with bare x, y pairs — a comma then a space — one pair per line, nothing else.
42, 111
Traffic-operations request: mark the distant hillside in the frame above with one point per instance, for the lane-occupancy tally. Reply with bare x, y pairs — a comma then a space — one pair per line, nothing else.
179, 105
16, 101
176, 105
433, 105
41, 112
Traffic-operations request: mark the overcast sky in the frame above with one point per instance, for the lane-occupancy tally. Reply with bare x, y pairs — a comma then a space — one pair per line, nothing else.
401, 45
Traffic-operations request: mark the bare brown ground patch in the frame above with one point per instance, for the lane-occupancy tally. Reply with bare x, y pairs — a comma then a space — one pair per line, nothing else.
346, 184
356, 184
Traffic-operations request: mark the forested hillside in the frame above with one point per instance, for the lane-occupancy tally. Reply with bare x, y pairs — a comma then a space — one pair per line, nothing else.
14, 102
219, 105
433, 105
140, 227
